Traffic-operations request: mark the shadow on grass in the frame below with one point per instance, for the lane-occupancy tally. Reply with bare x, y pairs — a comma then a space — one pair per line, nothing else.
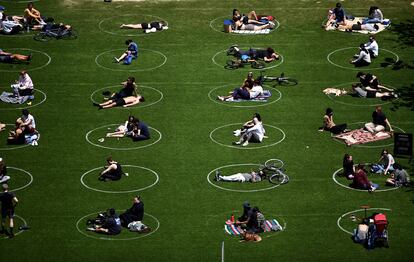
405, 32
396, 65
406, 98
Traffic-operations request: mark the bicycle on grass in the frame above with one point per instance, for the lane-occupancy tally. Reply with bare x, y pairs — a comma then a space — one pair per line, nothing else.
281, 80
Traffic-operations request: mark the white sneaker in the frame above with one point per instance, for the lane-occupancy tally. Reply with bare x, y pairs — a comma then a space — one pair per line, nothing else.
126, 174
101, 140
245, 143
237, 132
90, 229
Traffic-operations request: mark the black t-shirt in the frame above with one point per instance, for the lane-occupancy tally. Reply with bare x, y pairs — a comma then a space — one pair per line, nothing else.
378, 118
128, 90
118, 171
113, 224
365, 81
6, 200
348, 167
137, 211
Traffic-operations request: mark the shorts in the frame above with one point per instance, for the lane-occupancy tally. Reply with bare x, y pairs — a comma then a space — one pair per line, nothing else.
248, 27
120, 102
7, 213
145, 26
6, 59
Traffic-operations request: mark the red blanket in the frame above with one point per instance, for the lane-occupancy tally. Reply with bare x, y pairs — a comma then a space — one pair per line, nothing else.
360, 136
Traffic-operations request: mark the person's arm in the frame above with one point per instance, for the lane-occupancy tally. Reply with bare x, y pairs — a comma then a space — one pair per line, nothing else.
360, 56
15, 200
389, 164
389, 125
109, 168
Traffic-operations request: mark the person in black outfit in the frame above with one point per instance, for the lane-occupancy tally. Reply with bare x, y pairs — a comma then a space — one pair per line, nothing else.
128, 89
135, 213
379, 122
140, 131
111, 225
252, 224
348, 167
242, 220
8, 202
3, 172
112, 172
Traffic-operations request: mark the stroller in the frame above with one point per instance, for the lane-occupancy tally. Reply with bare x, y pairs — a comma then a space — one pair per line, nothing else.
378, 231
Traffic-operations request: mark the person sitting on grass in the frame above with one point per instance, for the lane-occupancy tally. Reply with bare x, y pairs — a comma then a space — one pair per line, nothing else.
372, 47
374, 16
135, 213
379, 122
140, 131
363, 58
251, 131
147, 27
9, 25
336, 16
360, 180
25, 130
123, 130
124, 102
329, 124
129, 54
386, 163
13, 58
3, 172
112, 172
110, 226
399, 177
251, 55
32, 15
23, 86
8, 202
348, 167
252, 177
244, 92
370, 80
2, 126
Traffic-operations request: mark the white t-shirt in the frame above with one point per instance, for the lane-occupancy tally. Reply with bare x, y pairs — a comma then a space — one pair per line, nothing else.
363, 56
258, 129
255, 91
390, 159
31, 119
373, 46
25, 82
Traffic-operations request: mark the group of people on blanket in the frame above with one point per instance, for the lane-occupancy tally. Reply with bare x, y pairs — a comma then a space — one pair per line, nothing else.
250, 22
249, 90
252, 222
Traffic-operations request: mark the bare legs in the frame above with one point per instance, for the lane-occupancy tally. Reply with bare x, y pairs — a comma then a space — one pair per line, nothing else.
131, 26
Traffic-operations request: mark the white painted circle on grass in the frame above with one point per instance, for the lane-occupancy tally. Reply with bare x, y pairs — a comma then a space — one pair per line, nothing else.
280, 61
277, 24
19, 2
351, 67
153, 18
120, 148
234, 104
27, 69
368, 146
139, 105
124, 191
13, 147
240, 147
126, 66
272, 186
105, 237
338, 222
20, 231
355, 189
360, 99
24, 172
27, 106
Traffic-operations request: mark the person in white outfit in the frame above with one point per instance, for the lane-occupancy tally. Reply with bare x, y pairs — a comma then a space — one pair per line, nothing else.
252, 131
372, 47
24, 85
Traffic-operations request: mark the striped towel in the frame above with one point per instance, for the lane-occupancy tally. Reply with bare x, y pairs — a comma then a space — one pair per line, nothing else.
270, 225
251, 32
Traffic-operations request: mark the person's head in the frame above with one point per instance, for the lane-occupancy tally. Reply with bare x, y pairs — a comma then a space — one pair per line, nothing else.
141, 99
338, 5
359, 74
236, 11
250, 75
5, 187
111, 211
246, 204
131, 119
397, 166
371, 38
384, 152
257, 115
372, 9
127, 42
131, 79
163, 23
30, 5
25, 112
136, 121
347, 158
378, 109
329, 111
136, 199
362, 46
376, 27
270, 50
360, 167
255, 209
109, 160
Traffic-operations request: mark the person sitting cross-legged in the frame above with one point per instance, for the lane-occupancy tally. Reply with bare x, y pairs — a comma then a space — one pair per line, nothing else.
110, 226
112, 172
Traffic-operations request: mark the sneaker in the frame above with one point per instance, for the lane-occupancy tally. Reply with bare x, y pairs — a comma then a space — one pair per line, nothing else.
237, 143
153, 30
356, 56
220, 98
126, 174
90, 229
147, 31
245, 143
237, 132
100, 140
30, 103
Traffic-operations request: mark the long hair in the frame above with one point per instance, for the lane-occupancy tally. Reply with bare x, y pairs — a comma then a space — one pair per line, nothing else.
257, 115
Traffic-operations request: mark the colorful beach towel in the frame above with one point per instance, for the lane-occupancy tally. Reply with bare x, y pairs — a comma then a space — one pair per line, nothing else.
382, 26
361, 136
251, 32
261, 98
234, 230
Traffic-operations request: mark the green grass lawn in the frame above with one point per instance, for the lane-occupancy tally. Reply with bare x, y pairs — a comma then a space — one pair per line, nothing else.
180, 72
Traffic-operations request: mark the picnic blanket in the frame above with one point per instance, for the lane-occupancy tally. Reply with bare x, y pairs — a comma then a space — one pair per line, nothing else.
251, 32
234, 230
10, 98
382, 26
260, 98
361, 136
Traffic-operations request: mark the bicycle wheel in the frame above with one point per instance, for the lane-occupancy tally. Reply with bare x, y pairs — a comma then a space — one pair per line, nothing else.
279, 178
70, 35
274, 163
231, 64
287, 81
42, 37
258, 65
231, 51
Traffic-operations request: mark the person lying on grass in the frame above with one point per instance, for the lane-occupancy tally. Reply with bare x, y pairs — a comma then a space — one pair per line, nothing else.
130, 53
110, 224
147, 27
113, 171
251, 131
51, 26
124, 130
244, 92
251, 55
12, 58
359, 27
329, 124
253, 177
124, 102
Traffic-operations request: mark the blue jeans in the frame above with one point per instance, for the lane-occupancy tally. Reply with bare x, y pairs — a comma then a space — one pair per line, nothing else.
128, 59
370, 21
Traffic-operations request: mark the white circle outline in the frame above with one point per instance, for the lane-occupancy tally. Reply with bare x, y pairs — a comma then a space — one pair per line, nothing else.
128, 70
20, 108
247, 148
20, 231
330, 96
238, 190
29, 69
112, 33
354, 211
12, 148
212, 21
355, 189
367, 146
246, 106
117, 148
120, 192
139, 106
358, 68
119, 239
24, 171
19, 2
250, 69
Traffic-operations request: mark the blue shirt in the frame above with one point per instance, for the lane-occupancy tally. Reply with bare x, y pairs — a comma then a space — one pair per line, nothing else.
133, 47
